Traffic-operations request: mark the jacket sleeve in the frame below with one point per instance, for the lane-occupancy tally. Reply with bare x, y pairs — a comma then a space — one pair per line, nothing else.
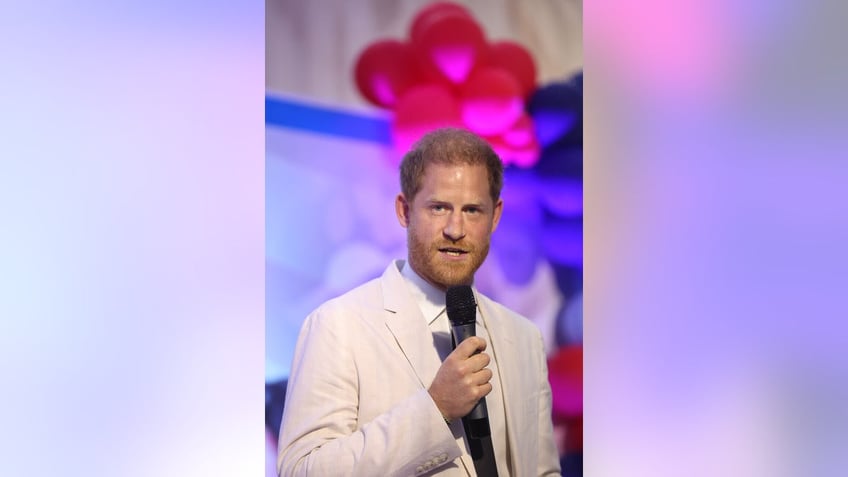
548, 459
321, 434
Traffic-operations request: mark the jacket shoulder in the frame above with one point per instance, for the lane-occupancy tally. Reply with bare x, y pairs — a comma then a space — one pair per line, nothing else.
364, 297
508, 318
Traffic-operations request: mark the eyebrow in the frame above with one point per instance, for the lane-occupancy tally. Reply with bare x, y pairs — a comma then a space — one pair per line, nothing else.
478, 205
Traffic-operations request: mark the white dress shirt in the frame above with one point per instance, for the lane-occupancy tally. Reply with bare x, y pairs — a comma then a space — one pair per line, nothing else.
431, 301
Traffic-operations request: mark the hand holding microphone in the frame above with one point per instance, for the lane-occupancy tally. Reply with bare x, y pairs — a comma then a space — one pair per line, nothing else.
467, 368
463, 379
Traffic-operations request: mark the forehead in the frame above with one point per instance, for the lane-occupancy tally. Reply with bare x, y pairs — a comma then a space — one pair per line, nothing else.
469, 181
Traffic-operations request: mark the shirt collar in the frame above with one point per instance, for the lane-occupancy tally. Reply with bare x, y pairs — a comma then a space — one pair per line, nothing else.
430, 299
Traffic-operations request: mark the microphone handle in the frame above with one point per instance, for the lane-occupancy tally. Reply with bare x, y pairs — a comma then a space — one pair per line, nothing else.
478, 418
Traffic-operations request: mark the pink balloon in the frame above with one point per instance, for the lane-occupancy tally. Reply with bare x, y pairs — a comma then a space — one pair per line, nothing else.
521, 134
491, 101
384, 71
565, 373
433, 12
515, 59
420, 110
524, 155
451, 46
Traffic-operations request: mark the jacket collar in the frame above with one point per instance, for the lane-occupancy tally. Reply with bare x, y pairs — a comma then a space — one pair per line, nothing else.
404, 320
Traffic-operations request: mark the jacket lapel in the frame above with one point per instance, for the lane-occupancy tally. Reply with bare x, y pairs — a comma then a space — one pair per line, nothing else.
405, 322
503, 350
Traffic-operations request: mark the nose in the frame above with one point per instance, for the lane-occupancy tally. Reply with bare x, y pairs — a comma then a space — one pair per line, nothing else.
454, 228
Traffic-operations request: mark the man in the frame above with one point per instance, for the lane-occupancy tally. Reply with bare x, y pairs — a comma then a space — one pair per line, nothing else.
375, 389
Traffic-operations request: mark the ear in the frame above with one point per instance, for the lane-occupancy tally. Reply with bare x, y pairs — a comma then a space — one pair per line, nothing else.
402, 210
496, 217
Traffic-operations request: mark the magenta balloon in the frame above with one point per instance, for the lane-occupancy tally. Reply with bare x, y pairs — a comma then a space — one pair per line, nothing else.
384, 71
491, 101
517, 60
421, 109
565, 372
451, 46
433, 12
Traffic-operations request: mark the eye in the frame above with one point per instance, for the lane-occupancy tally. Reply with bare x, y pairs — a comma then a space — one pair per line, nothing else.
438, 208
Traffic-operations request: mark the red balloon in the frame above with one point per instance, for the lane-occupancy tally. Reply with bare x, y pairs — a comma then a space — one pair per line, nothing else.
526, 156
521, 134
499, 146
523, 154
517, 60
491, 101
384, 71
451, 45
420, 110
565, 372
433, 12
523, 157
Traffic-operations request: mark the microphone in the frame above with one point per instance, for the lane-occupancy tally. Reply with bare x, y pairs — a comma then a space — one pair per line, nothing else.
462, 313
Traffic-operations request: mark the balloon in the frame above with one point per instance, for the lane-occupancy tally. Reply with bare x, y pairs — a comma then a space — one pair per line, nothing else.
561, 160
562, 196
521, 133
491, 101
450, 45
562, 241
523, 155
384, 71
552, 125
420, 110
565, 372
433, 12
517, 60
501, 148
557, 111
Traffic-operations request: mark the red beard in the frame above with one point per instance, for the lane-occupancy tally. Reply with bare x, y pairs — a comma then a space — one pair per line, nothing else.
425, 260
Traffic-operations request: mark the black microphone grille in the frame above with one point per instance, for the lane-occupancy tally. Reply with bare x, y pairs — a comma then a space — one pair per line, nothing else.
460, 304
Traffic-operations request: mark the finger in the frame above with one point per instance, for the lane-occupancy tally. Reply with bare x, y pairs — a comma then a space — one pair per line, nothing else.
470, 345
484, 390
483, 358
482, 377
477, 362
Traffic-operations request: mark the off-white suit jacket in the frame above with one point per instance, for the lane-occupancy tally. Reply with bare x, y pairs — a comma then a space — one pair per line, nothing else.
357, 401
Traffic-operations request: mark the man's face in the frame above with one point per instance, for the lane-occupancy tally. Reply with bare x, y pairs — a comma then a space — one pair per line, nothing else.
449, 223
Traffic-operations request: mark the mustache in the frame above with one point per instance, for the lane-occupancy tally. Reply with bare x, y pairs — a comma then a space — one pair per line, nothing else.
465, 247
